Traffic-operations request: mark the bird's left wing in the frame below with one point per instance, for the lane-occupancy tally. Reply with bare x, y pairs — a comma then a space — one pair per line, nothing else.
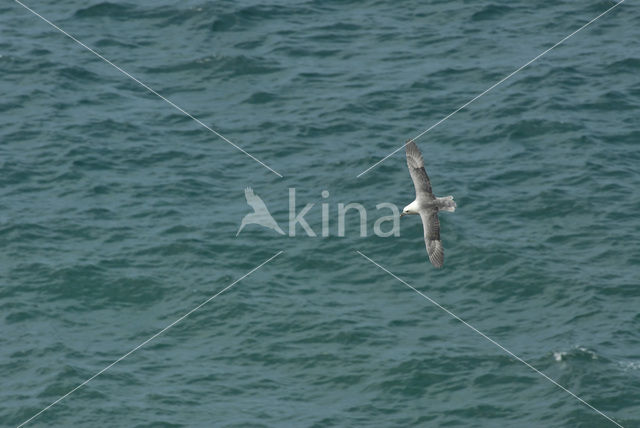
431, 226
418, 174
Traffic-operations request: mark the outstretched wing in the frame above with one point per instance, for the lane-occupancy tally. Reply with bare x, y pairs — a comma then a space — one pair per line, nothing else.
254, 201
431, 226
418, 174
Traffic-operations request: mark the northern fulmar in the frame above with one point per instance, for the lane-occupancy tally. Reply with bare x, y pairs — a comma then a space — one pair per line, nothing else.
426, 204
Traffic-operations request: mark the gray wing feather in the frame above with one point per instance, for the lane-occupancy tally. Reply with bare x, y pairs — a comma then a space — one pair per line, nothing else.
432, 240
418, 174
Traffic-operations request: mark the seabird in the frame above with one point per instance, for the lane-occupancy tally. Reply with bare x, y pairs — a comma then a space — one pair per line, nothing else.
426, 204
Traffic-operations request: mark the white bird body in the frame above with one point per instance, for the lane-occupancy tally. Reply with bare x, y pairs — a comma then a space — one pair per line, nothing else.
427, 205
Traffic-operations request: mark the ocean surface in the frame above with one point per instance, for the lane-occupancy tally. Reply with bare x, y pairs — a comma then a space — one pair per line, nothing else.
119, 214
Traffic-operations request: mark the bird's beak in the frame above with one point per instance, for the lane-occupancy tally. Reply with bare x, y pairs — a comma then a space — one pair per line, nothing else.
402, 214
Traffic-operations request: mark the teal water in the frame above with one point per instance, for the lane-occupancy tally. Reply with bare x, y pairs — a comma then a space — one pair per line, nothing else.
118, 214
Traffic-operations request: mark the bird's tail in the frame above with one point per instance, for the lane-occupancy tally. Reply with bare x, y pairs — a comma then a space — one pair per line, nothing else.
447, 204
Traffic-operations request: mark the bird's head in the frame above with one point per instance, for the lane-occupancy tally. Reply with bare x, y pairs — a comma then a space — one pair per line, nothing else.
409, 210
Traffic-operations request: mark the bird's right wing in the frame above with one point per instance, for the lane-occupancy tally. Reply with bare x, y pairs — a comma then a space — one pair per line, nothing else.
254, 201
418, 174
431, 226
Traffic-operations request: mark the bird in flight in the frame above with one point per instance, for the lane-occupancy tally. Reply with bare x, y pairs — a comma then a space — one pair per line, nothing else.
426, 204
260, 214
